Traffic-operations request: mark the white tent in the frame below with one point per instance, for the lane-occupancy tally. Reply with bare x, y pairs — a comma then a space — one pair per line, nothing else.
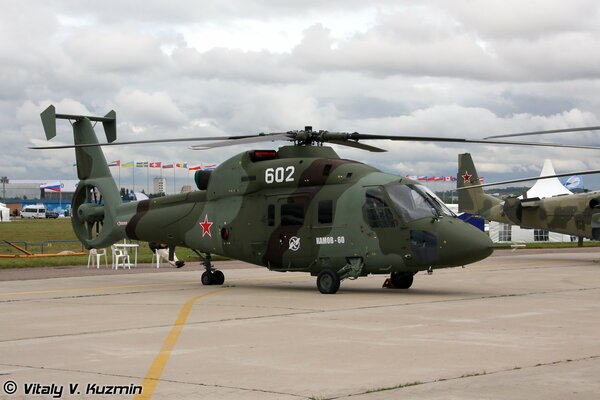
542, 188
547, 187
4, 213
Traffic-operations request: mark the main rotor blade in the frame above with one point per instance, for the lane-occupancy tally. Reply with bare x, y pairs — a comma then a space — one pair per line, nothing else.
357, 145
585, 128
237, 140
366, 136
588, 172
342, 138
174, 140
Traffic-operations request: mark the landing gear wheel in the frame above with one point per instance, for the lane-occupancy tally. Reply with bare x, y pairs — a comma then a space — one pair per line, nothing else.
218, 277
207, 278
328, 282
401, 280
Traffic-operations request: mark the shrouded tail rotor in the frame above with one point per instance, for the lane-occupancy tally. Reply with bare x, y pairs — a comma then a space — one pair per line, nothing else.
89, 213
96, 200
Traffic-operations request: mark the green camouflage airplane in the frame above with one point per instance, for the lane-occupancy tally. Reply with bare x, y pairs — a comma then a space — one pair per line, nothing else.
301, 208
576, 214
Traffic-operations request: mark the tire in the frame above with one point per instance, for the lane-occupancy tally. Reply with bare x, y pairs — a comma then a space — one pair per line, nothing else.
218, 277
328, 282
207, 278
401, 280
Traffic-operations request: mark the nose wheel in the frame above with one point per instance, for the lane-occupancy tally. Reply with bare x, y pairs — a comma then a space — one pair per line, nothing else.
211, 276
400, 280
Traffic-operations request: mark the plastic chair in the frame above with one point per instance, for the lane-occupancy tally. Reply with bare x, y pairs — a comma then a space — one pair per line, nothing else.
156, 256
95, 256
120, 257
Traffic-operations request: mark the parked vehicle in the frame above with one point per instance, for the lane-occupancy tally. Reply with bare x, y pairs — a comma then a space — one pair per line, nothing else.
51, 214
34, 211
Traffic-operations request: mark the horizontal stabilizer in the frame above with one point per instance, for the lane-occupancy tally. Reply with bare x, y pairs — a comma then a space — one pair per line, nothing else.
49, 116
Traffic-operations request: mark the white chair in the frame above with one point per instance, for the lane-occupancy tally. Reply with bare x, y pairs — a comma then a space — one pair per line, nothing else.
156, 256
120, 257
95, 256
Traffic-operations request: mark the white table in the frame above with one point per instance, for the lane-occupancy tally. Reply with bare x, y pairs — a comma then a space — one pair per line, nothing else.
126, 247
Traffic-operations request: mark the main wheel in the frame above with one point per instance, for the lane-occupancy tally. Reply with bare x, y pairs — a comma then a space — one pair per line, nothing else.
218, 277
401, 280
207, 278
328, 282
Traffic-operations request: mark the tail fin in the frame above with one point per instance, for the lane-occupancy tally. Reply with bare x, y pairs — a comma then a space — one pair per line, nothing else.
97, 198
474, 200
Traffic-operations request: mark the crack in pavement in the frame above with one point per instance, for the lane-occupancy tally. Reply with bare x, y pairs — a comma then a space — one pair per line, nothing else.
293, 314
464, 376
97, 373
303, 396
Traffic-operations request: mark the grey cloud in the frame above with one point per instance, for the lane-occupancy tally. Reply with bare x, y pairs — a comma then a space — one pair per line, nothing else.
231, 64
122, 51
145, 108
507, 20
439, 46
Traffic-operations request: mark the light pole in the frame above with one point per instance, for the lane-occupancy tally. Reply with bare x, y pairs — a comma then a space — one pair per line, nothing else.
4, 181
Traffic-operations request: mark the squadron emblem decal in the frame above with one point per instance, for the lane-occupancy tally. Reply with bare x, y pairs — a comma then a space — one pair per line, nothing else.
294, 243
206, 224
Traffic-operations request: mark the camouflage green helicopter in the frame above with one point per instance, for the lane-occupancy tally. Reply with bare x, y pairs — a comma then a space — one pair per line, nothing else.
571, 214
300, 208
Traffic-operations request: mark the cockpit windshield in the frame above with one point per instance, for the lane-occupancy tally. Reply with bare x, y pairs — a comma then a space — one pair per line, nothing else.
417, 201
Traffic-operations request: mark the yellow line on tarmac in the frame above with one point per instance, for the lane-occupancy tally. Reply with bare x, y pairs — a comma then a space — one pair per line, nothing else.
160, 361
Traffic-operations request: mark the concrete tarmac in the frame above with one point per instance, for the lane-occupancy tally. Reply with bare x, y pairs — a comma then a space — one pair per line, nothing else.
518, 325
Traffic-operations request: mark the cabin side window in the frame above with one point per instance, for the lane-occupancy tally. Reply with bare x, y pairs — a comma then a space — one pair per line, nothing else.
379, 214
271, 214
325, 212
292, 214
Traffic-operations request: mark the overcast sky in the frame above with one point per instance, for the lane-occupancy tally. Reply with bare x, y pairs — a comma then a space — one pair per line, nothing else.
176, 69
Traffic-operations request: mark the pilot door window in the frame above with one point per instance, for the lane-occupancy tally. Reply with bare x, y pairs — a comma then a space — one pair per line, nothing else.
379, 214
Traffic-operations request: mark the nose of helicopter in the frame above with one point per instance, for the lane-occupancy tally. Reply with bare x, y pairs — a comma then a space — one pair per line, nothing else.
467, 244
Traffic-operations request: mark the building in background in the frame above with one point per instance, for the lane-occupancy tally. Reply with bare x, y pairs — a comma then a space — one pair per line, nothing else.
56, 195
159, 184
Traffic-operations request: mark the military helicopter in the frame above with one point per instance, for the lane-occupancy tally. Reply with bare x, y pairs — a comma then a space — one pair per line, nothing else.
571, 214
299, 208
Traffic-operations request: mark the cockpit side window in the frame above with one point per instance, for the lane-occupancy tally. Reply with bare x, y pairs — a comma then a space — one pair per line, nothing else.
435, 200
379, 214
414, 202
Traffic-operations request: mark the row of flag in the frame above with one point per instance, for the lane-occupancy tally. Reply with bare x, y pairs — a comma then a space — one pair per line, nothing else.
162, 165
435, 178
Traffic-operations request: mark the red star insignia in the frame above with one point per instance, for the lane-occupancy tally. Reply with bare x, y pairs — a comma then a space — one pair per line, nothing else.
206, 224
467, 177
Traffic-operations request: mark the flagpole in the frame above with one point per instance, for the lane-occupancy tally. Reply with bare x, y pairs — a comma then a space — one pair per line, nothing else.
174, 191
148, 178
133, 177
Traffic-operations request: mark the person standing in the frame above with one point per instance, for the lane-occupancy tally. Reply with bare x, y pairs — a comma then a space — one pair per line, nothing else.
162, 250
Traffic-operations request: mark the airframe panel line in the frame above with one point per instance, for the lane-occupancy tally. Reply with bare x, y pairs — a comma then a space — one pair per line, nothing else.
160, 361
